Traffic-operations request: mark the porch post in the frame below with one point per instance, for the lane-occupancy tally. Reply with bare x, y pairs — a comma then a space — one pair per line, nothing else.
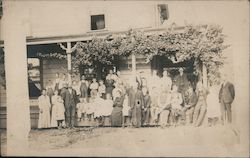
69, 51
204, 76
18, 113
133, 64
133, 59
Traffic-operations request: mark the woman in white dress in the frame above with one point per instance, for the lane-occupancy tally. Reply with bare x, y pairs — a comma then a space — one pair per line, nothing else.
108, 105
44, 110
58, 110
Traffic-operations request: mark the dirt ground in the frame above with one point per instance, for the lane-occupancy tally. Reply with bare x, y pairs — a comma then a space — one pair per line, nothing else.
178, 141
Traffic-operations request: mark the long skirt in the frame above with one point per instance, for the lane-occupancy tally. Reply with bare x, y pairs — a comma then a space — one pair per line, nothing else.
116, 117
109, 90
164, 117
146, 115
136, 117
44, 119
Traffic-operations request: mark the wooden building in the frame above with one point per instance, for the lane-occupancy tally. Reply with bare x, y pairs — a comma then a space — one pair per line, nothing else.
39, 26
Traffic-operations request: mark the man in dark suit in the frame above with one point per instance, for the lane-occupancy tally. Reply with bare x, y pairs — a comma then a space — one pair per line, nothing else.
226, 97
182, 82
70, 100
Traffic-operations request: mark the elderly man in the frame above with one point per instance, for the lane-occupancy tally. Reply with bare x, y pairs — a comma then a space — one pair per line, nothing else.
226, 97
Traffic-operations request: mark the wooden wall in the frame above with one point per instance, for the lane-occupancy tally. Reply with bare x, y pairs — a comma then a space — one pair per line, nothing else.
49, 67
125, 66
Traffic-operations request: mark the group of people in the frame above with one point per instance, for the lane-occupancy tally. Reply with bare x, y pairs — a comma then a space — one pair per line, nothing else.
140, 102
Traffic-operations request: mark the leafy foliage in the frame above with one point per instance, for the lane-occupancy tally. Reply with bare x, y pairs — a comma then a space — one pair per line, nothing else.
204, 44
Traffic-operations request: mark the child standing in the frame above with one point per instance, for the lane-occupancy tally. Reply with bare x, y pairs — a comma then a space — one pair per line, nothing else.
94, 88
102, 89
81, 108
58, 110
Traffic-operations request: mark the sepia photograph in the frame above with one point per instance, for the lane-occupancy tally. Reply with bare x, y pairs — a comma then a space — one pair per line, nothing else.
124, 78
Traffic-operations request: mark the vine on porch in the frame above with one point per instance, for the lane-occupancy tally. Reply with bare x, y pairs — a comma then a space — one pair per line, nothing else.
204, 44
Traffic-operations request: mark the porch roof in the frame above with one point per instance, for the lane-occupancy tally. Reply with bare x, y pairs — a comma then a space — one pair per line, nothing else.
87, 36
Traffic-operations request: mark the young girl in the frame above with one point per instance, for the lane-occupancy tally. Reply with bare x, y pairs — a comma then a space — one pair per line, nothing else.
90, 109
44, 110
99, 104
81, 108
94, 88
102, 89
108, 105
58, 110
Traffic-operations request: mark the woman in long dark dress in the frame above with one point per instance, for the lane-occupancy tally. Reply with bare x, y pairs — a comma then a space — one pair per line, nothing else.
84, 87
136, 102
147, 105
116, 115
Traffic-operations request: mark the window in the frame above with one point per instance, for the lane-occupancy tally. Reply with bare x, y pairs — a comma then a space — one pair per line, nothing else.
34, 77
97, 22
1, 9
163, 11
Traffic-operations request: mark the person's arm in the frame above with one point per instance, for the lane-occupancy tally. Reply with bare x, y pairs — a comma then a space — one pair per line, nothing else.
149, 102
232, 91
193, 100
49, 104
63, 95
220, 93
75, 97
40, 104
53, 100
158, 102
180, 100
170, 82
